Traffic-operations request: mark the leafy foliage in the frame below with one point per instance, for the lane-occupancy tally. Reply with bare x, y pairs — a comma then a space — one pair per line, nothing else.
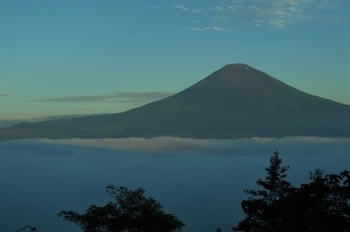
321, 205
132, 212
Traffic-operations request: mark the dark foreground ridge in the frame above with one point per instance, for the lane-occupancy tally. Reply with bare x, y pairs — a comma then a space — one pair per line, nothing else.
236, 101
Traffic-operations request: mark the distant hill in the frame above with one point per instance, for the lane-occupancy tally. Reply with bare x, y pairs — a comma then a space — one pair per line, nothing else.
236, 101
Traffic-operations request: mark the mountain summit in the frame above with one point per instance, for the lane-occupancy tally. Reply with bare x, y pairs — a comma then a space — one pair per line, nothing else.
241, 89
236, 101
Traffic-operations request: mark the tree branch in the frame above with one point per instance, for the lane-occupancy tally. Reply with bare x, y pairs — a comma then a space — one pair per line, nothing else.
31, 228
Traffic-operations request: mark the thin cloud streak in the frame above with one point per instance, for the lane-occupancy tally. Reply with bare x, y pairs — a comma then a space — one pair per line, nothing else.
215, 28
12, 122
122, 97
219, 29
180, 7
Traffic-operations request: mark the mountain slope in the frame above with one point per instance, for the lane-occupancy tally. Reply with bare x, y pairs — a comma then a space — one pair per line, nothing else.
236, 101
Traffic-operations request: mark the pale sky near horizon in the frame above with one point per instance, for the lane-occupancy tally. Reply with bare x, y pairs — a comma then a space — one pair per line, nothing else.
87, 57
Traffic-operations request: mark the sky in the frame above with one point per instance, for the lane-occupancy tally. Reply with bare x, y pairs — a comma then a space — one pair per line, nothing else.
64, 58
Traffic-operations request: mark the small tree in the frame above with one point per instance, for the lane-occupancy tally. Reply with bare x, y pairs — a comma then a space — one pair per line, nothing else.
321, 205
132, 212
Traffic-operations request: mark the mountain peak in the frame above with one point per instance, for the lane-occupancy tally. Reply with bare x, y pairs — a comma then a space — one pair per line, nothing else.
236, 75
238, 65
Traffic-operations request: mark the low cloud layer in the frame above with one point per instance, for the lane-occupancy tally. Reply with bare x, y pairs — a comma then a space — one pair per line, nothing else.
215, 146
179, 173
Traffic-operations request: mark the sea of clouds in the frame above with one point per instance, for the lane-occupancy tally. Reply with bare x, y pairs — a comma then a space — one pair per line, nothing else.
199, 180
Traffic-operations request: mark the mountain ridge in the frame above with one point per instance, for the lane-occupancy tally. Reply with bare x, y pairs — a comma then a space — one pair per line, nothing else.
236, 101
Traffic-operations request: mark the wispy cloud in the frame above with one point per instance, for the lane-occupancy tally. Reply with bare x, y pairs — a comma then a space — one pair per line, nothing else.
218, 8
199, 29
215, 28
140, 97
155, 7
233, 8
219, 29
178, 16
278, 22
276, 13
83, 98
283, 13
198, 10
219, 18
180, 7
121, 97
214, 41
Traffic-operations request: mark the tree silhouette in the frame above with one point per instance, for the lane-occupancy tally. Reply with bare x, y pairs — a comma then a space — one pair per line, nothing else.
321, 205
132, 212
32, 229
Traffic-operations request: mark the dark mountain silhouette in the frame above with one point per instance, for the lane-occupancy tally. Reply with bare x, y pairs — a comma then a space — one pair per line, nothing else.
236, 101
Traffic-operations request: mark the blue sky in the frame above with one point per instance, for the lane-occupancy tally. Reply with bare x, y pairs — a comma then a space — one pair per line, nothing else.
87, 57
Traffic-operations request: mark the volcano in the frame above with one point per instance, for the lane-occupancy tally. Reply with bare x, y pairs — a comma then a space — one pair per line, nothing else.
236, 101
